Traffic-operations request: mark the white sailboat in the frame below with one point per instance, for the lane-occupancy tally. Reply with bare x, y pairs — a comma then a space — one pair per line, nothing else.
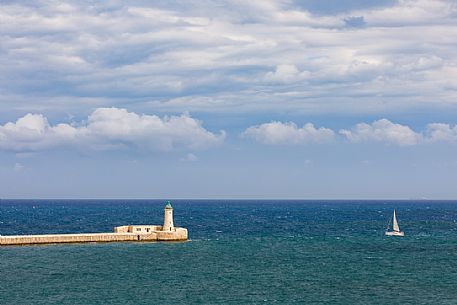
395, 228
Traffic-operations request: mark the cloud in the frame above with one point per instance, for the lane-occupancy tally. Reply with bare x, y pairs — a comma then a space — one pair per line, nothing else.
244, 56
413, 12
385, 131
190, 157
116, 128
286, 74
437, 132
18, 167
288, 133
33, 132
109, 128
355, 21
382, 131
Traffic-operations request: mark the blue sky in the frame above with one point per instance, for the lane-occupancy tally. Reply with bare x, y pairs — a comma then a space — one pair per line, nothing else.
228, 99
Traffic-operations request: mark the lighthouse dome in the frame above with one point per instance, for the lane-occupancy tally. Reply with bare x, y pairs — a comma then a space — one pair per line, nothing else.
168, 205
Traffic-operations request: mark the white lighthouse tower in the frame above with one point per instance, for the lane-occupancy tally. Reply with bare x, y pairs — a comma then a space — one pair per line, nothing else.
168, 218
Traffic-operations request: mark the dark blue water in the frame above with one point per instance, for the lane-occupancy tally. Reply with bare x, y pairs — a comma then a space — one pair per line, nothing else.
241, 252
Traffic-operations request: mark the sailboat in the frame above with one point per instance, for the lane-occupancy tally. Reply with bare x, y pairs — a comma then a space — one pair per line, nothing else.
395, 228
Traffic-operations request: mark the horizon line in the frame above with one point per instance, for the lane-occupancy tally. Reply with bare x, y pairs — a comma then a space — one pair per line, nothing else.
243, 199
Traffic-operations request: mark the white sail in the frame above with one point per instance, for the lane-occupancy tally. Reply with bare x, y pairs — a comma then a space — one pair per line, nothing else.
395, 226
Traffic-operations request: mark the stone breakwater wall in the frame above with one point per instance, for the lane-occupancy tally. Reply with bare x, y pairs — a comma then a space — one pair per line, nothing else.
179, 234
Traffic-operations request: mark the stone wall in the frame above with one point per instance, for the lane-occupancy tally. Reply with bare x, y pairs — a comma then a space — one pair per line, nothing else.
121, 229
137, 229
179, 235
66, 238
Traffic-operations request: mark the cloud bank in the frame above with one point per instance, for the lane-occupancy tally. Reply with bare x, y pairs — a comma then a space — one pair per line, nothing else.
116, 128
106, 129
234, 56
382, 131
387, 132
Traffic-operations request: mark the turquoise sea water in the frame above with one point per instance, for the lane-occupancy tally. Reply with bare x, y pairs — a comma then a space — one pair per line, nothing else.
240, 252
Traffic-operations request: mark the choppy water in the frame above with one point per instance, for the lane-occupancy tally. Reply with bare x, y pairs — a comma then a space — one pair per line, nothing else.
241, 252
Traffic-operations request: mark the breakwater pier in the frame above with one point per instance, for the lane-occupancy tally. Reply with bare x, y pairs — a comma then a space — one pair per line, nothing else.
166, 232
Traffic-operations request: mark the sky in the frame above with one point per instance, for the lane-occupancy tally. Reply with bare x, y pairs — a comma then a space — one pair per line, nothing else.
304, 99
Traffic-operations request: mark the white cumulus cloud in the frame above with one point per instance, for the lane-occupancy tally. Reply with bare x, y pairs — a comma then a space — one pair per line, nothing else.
383, 130
33, 132
441, 132
288, 133
108, 128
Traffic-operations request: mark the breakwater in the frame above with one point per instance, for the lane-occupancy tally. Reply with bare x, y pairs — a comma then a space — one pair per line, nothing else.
178, 234
166, 232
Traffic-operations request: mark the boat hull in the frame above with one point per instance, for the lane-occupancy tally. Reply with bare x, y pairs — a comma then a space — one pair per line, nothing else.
394, 233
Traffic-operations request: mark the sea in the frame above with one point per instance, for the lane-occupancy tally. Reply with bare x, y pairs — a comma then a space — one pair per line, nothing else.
239, 252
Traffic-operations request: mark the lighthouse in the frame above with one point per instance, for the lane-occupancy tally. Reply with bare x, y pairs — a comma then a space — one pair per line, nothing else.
168, 218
